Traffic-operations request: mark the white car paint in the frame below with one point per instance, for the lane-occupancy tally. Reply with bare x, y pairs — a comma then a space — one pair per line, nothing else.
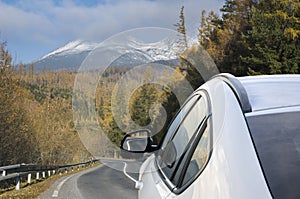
230, 172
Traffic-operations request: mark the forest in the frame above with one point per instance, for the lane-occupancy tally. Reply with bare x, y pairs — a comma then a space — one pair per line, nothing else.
247, 37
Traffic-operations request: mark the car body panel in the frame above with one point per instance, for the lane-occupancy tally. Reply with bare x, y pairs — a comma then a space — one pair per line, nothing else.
273, 91
149, 176
233, 170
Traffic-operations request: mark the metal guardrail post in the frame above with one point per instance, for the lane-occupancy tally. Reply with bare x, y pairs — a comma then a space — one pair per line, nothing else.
18, 179
37, 175
29, 178
44, 174
3, 173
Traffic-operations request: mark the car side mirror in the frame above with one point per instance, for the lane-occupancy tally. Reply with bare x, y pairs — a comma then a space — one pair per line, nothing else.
139, 141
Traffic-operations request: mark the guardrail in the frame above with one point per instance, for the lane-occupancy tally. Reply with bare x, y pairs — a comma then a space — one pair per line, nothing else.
18, 171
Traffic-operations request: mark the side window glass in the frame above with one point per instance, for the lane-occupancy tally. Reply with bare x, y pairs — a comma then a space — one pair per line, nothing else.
175, 148
199, 158
178, 119
189, 126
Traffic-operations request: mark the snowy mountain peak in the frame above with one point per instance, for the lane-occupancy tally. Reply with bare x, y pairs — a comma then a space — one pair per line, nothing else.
73, 47
165, 49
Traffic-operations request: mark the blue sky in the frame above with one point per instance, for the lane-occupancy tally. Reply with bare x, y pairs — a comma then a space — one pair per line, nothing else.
34, 28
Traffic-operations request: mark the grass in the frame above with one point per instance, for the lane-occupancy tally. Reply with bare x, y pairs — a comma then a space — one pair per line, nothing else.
36, 187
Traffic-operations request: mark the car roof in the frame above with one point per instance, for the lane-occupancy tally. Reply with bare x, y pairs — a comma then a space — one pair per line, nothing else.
272, 91
264, 92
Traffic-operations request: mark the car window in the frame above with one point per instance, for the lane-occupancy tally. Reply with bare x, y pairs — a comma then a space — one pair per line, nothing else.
195, 158
183, 136
189, 126
277, 141
178, 118
199, 157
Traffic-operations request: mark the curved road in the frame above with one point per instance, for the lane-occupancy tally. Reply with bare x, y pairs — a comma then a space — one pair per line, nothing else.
101, 182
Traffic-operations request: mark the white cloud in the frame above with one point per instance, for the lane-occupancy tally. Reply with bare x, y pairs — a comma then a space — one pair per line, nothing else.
47, 25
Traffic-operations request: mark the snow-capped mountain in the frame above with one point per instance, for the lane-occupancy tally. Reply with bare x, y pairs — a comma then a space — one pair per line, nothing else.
73, 47
138, 53
73, 53
67, 57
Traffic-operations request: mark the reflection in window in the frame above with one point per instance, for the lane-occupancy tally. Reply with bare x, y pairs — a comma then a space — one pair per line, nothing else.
186, 131
178, 119
199, 157
189, 126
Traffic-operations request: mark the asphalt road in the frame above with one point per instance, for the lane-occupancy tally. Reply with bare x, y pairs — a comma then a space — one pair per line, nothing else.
102, 182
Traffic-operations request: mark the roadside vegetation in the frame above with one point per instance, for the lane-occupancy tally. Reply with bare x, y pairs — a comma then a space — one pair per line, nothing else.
36, 123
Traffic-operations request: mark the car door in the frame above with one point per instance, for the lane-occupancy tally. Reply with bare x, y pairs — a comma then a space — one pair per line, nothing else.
162, 173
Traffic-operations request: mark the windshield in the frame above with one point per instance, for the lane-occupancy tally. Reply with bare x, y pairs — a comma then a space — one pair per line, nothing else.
277, 140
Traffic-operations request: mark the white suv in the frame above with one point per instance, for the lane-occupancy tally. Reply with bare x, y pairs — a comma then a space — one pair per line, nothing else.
234, 138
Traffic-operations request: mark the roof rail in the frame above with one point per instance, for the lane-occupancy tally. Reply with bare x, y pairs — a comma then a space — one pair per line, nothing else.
238, 90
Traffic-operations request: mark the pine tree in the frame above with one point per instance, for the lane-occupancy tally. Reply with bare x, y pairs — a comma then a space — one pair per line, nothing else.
224, 40
181, 29
207, 26
274, 38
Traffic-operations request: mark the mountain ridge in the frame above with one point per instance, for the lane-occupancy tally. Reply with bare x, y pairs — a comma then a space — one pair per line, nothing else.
71, 55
